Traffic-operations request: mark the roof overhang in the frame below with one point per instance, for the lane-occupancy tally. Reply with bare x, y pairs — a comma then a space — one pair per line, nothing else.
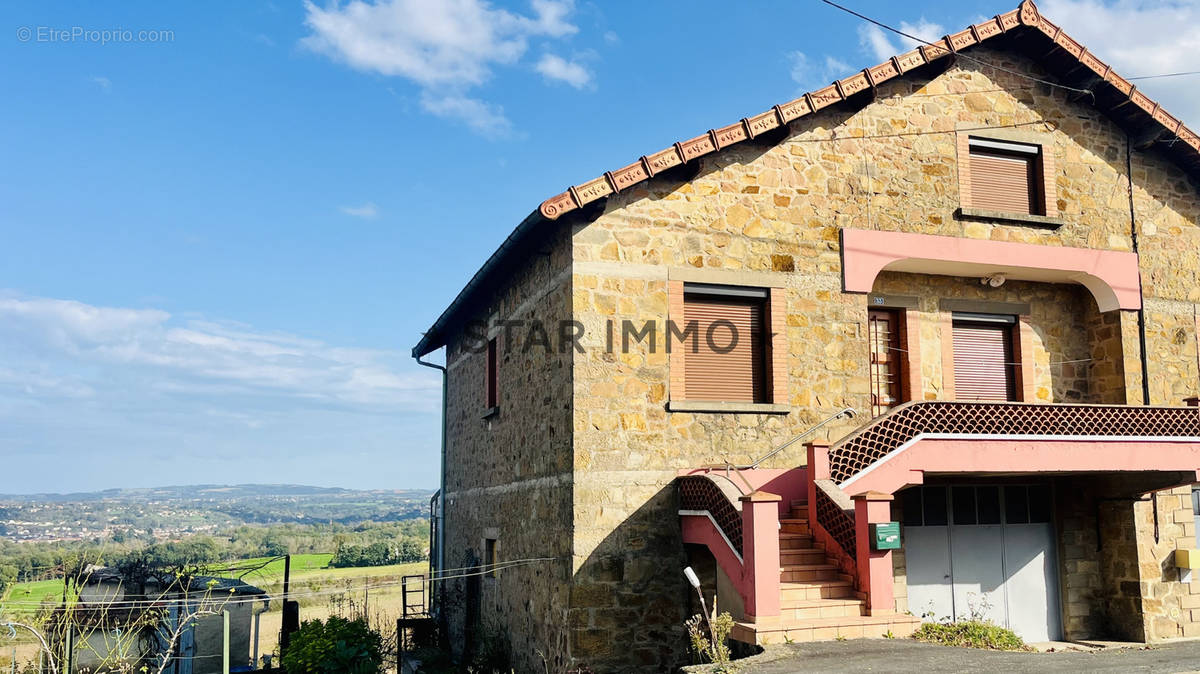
1177, 459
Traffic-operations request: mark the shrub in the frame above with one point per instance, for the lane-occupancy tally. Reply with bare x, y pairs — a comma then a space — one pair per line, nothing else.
335, 646
971, 634
711, 646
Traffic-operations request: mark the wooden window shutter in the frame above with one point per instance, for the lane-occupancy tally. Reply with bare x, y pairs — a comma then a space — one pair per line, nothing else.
886, 358
721, 373
1005, 181
982, 361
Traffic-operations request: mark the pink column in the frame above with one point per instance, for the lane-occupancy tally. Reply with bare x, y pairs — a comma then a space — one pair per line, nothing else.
760, 553
874, 567
818, 469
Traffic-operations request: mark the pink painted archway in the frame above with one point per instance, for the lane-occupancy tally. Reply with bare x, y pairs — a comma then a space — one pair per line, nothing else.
1111, 276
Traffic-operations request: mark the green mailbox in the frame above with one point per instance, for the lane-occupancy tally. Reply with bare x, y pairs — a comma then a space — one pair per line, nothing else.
885, 536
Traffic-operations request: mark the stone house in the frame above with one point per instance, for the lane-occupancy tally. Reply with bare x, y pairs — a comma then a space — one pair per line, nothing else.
987, 247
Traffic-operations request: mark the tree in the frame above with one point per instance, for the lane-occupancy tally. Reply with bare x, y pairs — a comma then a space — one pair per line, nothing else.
409, 551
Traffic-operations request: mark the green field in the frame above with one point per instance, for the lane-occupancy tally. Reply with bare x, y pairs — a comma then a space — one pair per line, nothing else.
35, 592
309, 572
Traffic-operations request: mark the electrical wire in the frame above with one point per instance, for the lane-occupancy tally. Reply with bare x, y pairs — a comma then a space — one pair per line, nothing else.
215, 597
959, 54
1155, 77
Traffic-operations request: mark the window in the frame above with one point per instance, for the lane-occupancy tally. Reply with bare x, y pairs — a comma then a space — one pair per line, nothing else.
886, 357
493, 371
726, 344
968, 505
1006, 177
489, 557
983, 357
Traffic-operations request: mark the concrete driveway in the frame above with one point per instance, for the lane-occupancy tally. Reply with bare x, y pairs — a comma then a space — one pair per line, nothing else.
904, 655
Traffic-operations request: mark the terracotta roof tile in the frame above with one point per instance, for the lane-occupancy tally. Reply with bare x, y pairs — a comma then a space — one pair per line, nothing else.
1026, 16
1060, 53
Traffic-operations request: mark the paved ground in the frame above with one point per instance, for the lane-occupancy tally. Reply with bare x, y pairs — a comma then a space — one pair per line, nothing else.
903, 655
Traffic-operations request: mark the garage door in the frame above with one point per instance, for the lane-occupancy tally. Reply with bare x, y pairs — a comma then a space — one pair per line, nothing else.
985, 551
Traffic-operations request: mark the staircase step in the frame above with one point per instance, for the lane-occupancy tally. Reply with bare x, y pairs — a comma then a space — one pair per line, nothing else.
797, 503
827, 589
798, 514
826, 629
790, 541
808, 572
794, 526
812, 609
801, 556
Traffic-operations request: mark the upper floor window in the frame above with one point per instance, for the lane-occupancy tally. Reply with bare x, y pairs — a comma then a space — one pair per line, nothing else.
983, 357
725, 358
1006, 177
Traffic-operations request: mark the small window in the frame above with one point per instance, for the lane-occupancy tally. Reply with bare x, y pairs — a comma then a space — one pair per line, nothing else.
911, 500
725, 344
1016, 505
489, 557
935, 506
989, 504
1006, 177
493, 372
1040, 507
964, 505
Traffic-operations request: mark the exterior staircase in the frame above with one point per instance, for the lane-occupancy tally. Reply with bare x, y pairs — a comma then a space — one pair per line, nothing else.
819, 601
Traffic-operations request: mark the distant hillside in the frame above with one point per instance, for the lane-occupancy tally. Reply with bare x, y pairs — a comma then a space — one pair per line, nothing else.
170, 512
210, 491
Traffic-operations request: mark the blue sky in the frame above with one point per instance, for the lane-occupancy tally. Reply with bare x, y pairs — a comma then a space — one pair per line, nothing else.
220, 244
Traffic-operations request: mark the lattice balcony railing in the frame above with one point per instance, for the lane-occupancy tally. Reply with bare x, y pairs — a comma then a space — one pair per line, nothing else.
717, 495
872, 442
834, 519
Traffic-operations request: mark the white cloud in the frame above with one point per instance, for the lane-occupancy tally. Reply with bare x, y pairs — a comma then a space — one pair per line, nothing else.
367, 211
103, 82
445, 47
611, 37
484, 118
811, 75
883, 44
1146, 37
556, 68
66, 348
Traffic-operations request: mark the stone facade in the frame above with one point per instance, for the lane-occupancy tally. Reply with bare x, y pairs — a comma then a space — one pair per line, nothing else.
585, 445
509, 474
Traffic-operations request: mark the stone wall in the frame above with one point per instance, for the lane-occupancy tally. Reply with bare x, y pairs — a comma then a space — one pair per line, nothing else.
585, 447
509, 475
769, 213
1170, 606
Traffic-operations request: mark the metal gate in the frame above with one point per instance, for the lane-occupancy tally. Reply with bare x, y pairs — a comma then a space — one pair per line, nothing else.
984, 551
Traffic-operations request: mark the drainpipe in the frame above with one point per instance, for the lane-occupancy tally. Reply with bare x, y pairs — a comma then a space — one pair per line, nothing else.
440, 563
1133, 235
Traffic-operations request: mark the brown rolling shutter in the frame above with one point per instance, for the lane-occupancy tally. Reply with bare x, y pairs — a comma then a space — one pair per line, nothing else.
1004, 182
982, 353
738, 374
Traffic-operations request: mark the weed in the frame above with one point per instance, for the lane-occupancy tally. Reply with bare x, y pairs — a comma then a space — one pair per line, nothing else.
971, 634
